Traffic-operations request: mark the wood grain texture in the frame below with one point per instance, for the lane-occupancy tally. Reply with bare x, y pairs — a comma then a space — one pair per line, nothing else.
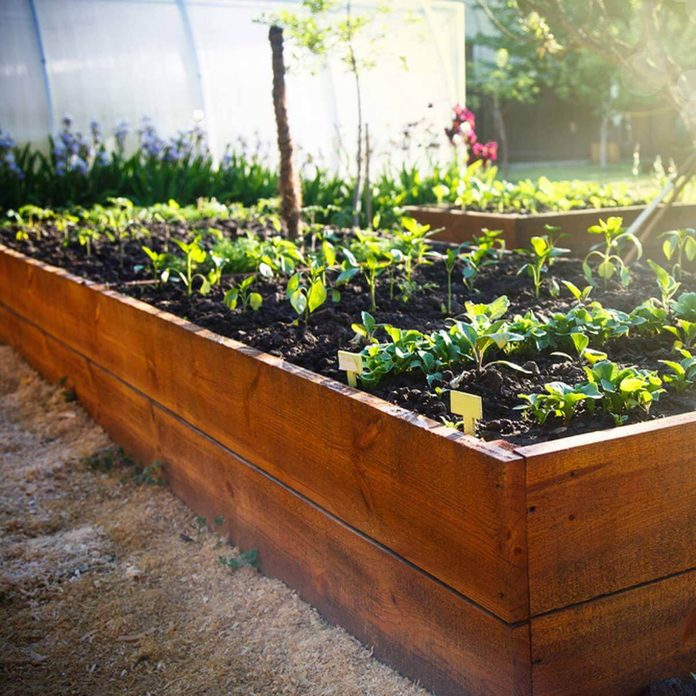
413, 621
610, 510
461, 225
619, 644
450, 504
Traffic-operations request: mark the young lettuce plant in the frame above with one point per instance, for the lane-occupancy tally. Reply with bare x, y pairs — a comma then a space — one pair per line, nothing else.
485, 332
542, 254
683, 372
624, 388
685, 333
561, 400
678, 245
685, 306
610, 262
241, 295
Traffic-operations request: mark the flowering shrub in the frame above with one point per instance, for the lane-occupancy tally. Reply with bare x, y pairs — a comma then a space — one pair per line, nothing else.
463, 132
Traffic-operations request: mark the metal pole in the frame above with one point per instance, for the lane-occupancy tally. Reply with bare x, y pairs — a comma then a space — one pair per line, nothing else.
44, 65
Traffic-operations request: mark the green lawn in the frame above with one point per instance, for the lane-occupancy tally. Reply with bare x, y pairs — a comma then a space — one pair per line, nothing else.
584, 172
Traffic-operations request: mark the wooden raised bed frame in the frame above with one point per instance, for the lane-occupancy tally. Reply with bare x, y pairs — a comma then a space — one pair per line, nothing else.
461, 225
562, 568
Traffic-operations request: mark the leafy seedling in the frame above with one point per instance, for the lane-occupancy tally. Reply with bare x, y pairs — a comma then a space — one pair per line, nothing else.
246, 558
607, 253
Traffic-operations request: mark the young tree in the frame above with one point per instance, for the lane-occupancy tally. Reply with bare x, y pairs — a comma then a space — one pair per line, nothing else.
288, 183
649, 42
325, 28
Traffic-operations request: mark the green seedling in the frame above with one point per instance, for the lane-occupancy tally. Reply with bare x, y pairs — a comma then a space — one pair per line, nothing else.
485, 332
685, 306
683, 372
542, 253
607, 253
194, 255
685, 333
158, 262
624, 388
242, 296
667, 284
560, 400
245, 558
307, 291
678, 246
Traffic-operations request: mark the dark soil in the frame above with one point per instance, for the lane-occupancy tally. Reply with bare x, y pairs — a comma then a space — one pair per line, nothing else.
274, 328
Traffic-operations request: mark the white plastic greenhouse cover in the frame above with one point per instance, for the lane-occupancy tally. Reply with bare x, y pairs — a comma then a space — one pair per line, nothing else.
115, 60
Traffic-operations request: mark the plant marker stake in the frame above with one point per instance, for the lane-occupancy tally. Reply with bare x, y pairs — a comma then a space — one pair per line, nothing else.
352, 364
469, 407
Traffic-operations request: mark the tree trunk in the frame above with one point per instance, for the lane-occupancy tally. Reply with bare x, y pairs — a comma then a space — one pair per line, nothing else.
604, 141
288, 182
368, 189
502, 135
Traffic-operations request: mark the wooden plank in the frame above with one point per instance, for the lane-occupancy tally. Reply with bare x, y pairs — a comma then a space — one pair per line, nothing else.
610, 510
413, 621
448, 503
618, 644
461, 225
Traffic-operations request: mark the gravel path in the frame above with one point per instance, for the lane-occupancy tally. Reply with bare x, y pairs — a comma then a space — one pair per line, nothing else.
109, 586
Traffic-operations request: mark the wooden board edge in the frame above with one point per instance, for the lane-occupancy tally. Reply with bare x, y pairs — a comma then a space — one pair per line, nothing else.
458, 647
493, 450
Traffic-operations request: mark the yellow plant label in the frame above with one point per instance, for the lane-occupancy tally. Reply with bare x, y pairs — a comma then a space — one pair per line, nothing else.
469, 407
351, 363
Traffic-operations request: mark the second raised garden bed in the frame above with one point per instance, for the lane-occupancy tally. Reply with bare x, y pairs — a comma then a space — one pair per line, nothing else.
461, 225
566, 567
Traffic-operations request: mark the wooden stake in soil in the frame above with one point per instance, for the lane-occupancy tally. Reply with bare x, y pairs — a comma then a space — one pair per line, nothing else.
469, 407
288, 183
351, 363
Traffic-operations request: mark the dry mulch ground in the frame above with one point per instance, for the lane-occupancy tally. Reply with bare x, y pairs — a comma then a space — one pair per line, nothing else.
108, 585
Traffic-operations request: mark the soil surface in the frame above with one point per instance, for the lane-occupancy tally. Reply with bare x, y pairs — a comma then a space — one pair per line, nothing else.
109, 585
274, 327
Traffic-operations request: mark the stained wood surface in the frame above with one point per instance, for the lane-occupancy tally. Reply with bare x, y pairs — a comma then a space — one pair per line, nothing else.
619, 644
413, 621
453, 506
461, 225
610, 510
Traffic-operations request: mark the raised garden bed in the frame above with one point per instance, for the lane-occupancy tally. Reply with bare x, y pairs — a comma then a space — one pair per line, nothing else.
461, 225
477, 567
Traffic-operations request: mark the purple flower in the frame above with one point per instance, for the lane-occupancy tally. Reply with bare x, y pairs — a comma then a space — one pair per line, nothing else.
77, 164
122, 130
67, 121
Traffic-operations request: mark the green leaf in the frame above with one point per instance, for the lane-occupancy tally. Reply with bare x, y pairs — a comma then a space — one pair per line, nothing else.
255, 300
317, 295
580, 341
298, 300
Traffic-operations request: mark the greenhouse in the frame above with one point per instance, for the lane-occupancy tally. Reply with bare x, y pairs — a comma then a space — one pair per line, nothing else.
348, 347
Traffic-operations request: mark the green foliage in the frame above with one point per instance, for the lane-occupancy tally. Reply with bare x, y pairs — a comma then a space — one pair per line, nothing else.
542, 253
159, 262
685, 306
610, 262
241, 295
194, 256
624, 388
685, 333
245, 558
485, 332
666, 283
560, 400
682, 375
679, 245
306, 290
